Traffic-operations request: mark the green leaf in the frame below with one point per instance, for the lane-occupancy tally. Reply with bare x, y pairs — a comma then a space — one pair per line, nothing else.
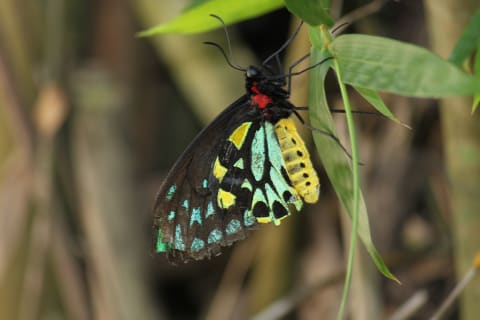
468, 41
377, 102
334, 159
389, 65
326, 3
476, 73
476, 102
476, 61
197, 18
313, 12
194, 3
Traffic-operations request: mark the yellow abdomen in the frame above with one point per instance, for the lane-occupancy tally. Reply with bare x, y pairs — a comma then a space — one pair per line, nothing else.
297, 160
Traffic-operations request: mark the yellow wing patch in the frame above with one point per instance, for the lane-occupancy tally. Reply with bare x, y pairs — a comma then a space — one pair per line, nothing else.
225, 199
264, 219
219, 171
297, 161
238, 136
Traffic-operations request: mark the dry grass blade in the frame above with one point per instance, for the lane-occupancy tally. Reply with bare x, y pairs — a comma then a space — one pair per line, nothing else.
115, 260
408, 309
286, 304
40, 238
229, 290
444, 307
460, 132
15, 191
36, 265
19, 122
71, 286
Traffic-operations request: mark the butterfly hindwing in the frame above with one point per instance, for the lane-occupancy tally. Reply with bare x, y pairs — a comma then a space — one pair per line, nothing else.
254, 174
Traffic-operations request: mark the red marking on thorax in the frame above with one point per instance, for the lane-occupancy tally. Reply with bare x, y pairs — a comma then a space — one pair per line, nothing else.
260, 99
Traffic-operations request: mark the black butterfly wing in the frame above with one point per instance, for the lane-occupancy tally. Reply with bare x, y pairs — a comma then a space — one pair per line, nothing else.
188, 221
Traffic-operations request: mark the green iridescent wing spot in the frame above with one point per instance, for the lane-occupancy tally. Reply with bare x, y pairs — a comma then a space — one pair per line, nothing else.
274, 195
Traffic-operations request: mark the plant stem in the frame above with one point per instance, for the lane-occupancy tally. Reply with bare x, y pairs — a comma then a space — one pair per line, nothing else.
356, 190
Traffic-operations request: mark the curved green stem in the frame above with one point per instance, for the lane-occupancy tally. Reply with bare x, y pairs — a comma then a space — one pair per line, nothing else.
356, 190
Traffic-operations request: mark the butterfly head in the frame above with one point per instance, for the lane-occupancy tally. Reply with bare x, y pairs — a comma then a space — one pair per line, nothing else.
262, 88
266, 84
252, 72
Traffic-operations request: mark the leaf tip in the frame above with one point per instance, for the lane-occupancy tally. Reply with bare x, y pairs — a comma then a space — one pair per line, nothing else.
392, 277
141, 34
147, 33
402, 124
476, 102
381, 266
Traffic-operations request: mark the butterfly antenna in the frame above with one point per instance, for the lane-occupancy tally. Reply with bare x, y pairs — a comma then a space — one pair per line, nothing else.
216, 45
289, 40
279, 64
229, 56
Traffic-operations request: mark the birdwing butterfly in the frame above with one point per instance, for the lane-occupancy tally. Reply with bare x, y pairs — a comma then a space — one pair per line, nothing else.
249, 166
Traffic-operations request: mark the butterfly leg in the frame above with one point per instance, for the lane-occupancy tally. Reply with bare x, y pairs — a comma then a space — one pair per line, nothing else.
296, 63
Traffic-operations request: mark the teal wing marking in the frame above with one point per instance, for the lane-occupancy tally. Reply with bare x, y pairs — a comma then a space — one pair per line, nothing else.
258, 154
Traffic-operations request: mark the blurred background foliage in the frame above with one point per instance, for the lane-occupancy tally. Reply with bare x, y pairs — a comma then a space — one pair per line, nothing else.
92, 117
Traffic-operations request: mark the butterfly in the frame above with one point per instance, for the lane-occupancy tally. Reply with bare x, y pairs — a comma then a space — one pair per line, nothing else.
247, 167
